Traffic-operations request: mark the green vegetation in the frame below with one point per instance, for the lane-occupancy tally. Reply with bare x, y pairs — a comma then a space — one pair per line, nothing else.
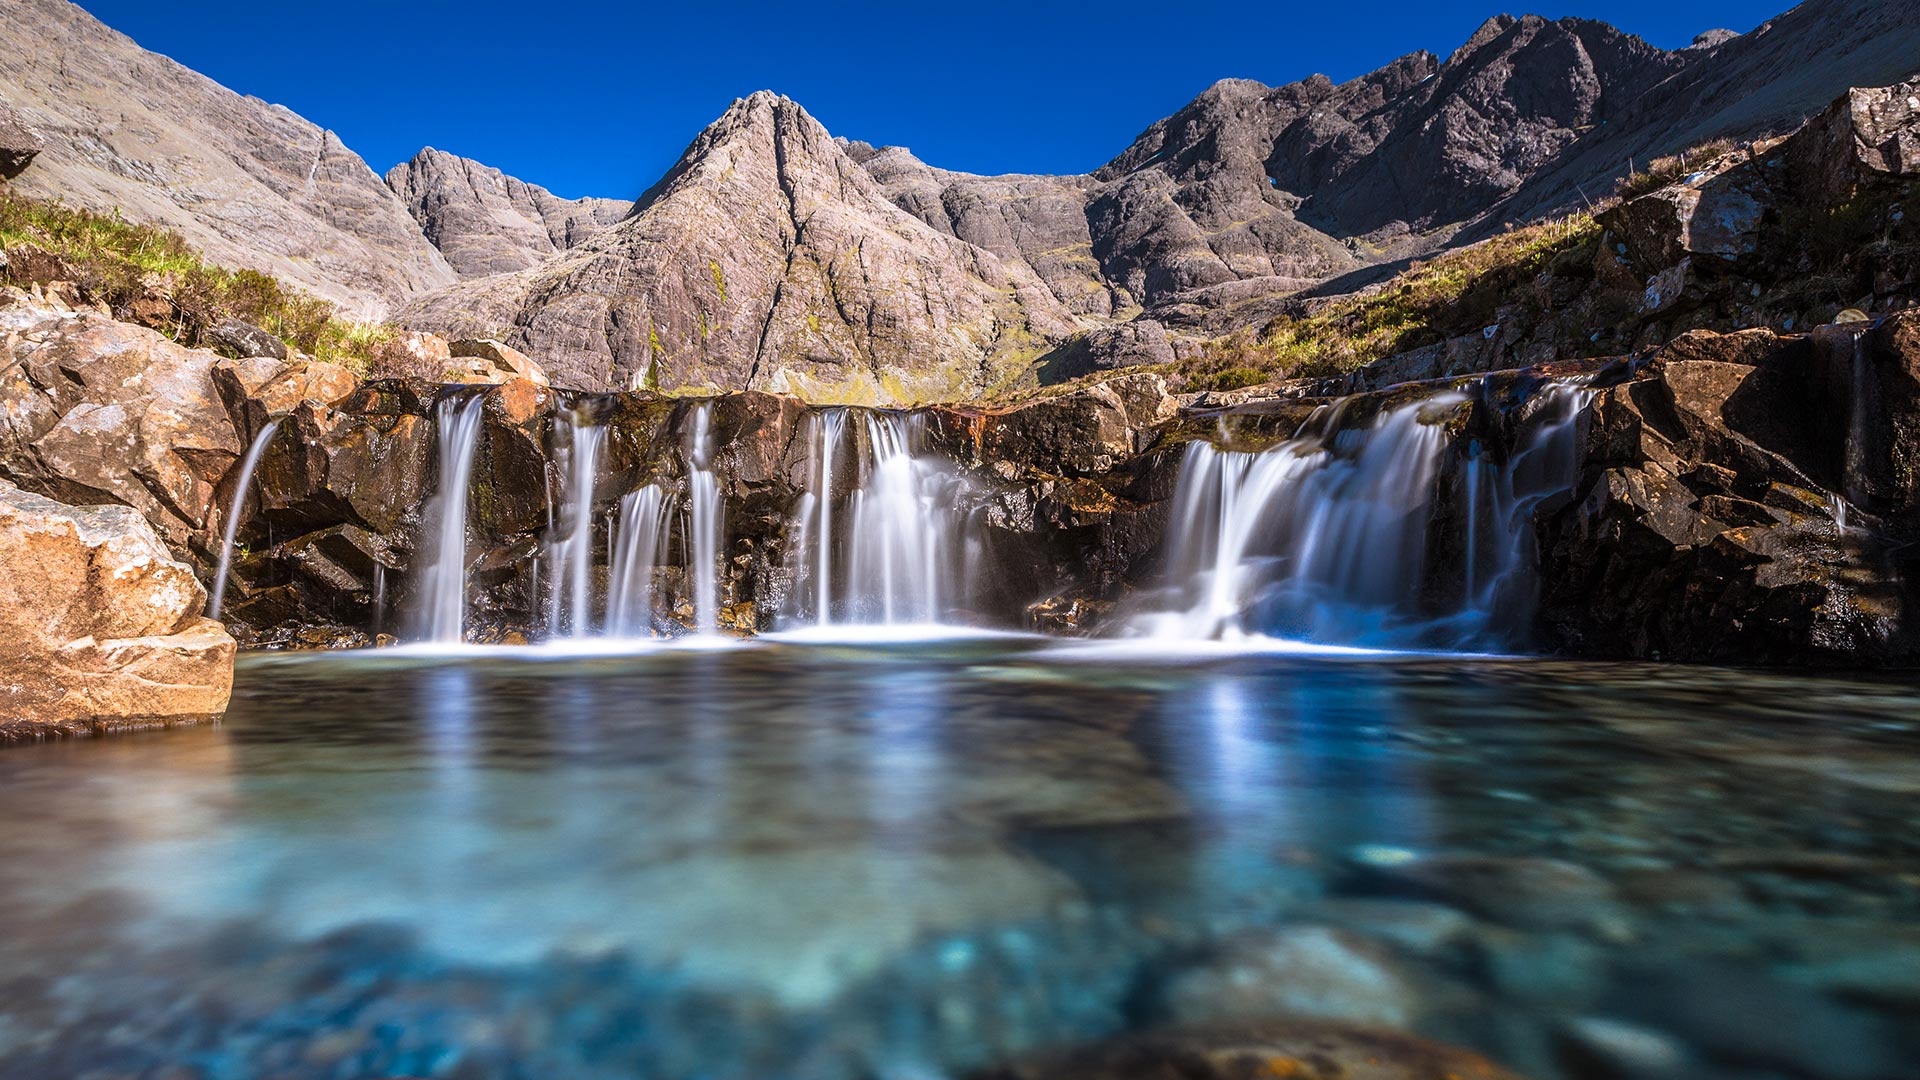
1452, 294
152, 276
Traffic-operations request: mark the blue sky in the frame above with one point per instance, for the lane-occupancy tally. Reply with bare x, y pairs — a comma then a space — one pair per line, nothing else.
589, 97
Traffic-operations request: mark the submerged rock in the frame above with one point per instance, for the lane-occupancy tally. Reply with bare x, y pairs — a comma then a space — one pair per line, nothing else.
1309, 972
103, 627
1296, 1051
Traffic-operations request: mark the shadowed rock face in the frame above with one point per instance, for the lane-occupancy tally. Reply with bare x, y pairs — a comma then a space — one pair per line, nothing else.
486, 222
767, 258
248, 183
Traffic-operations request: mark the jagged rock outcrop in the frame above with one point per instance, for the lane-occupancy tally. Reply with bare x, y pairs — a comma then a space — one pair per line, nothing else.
1743, 499
1740, 213
486, 222
767, 258
1764, 82
103, 628
19, 144
94, 411
250, 184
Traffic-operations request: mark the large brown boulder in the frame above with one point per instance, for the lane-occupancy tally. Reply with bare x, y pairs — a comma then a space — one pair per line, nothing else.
103, 627
98, 411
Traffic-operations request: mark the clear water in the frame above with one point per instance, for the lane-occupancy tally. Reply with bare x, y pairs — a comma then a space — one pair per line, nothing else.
913, 861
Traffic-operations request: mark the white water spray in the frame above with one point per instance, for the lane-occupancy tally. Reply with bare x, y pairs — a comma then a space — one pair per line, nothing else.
704, 523
240, 489
570, 609
887, 553
1324, 537
639, 545
444, 584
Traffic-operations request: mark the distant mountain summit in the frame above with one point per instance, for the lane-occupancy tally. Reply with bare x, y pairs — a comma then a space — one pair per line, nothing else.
774, 255
486, 222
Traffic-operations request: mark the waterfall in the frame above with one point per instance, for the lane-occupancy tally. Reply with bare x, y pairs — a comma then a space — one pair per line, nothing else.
1324, 537
1500, 502
444, 585
1859, 403
885, 553
240, 489
639, 543
570, 604
704, 523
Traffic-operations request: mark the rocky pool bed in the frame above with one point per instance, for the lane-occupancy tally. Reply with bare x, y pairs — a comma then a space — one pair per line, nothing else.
992, 857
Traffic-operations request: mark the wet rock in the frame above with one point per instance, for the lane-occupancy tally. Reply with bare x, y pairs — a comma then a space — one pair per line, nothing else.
1300, 971
1294, 1050
1419, 928
103, 626
1605, 1049
1686, 539
1544, 894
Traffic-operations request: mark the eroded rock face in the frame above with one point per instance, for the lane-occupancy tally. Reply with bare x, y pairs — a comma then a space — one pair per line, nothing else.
486, 222
103, 626
1712, 520
248, 183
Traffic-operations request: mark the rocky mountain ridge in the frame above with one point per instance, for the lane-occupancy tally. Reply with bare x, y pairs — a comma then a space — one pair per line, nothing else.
250, 184
848, 272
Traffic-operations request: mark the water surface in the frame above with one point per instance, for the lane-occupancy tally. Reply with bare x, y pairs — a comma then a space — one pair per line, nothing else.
852, 860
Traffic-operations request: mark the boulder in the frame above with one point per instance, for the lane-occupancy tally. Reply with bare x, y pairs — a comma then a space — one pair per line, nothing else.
98, 411
19, 144
494, 362
1294, 1050
104, 627
240, 339
1304, 972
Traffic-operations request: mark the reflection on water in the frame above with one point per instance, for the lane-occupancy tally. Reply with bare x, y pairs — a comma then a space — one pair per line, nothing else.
841, 860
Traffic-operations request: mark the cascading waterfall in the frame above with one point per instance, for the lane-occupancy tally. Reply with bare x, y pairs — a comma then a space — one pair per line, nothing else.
885, 554
1324, 537
704, 523
569, 609
1321, 537
639, 544
240, 489
1500, 501
444, 583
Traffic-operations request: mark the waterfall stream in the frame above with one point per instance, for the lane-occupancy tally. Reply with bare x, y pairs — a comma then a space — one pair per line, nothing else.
1324, 538
885, 552
704, 524
240, 488
444, 583
570, 605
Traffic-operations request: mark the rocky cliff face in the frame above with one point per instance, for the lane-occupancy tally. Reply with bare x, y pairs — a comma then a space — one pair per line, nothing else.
768, 258
486, 222
250, 184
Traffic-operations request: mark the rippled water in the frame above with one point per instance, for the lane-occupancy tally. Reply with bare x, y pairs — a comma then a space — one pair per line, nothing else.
852, 860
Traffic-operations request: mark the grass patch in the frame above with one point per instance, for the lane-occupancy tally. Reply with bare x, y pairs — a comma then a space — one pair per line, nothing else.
1431, 301
1662, 171
153, 276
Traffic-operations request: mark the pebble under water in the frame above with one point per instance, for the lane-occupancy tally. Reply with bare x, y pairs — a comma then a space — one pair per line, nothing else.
920, 861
